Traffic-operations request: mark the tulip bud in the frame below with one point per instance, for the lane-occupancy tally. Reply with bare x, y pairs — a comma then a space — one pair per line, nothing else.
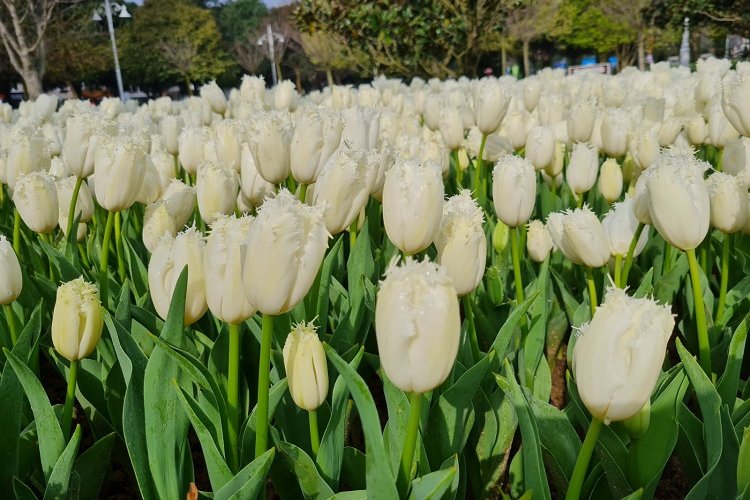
35, 197
361, 127
620, 224
532, 89
727, 196
581, 121
513, 189
500, 235
678, 199
27, 153
638, 424
284, 95
644, 147
697, 130
77, 319
461, 244
668, 131
580, 236
736, 159
412, 204
215, 97
491, 100
11, 281
618, 356
226, 247
171, 127
540, 147
582, 168
451, 127
614, 132
735, 93
119, 165
226, 145
157, 222
190, 147
180, 201
286, 245
515, 127
316, 136
254, 188
538, 241
343, 188
433, 106
216, 190
417, 324
610, 180
269, 145
720, 130
168, 259
641, 199
306, 367
555, 168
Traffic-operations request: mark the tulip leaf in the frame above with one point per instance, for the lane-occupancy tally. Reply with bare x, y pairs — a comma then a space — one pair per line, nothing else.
380, 481
729, 383
722, 447
667, 285
51, 441
303, 467
247, 437
92, 465
166, 424
649, 454
735, 298
394, 432
320, 295
435, 484
359, 267
690, 446
452, 417
21, 491
137, 270
494, 429
331, 452
59, 480
568, 299
505, 334
534, 343
646, 288
353, 468
535, 478
68, 271
218, 471
249, 481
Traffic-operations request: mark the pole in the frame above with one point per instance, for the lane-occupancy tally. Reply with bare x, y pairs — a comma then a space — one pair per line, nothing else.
685, 45
110, 26
269, 34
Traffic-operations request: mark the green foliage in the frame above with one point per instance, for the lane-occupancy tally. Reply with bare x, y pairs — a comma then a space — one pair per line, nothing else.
239, 18
590, 28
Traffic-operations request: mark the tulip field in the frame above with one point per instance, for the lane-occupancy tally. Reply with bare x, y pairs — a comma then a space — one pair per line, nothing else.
491, 288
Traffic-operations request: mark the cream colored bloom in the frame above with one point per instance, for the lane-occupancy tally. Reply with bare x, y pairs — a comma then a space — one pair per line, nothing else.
306, 367
77, 319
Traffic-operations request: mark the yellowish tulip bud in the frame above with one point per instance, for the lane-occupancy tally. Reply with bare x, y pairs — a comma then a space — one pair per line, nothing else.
77, 319
306, 368
11, 281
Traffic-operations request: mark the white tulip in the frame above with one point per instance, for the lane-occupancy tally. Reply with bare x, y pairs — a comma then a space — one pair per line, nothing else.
11, 280
35, 197
216, 190
540, 146
538, 241
513, 189
727, 195
306, 367
620, 225
610, 180
582, 168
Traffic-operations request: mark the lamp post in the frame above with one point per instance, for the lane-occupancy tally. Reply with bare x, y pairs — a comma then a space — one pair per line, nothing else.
107, 8
685, 45
269, 38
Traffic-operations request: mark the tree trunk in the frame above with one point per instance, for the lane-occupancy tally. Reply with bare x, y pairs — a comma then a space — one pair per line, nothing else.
32, 83
279, 74
641, 51
329, 76
503, 60
298, 80
526, 60
188, 87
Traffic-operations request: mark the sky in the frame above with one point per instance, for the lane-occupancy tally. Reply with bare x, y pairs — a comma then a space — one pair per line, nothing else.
269, 3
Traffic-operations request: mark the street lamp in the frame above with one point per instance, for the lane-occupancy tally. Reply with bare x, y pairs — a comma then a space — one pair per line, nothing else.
269, 38
685, 45
107, 8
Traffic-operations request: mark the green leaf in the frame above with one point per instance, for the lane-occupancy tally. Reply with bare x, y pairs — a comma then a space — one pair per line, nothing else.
138, 272
323, 297
534, 344
380, 481
354, 468
395, 429
331, 452
247, 437
51, 441
248, 482
535, 478
729, 382
92, 465
21, 491
435, 484
494, 429
452, 417
68, 271
505, 334
310, 482
57, 485
646, 287
667, 286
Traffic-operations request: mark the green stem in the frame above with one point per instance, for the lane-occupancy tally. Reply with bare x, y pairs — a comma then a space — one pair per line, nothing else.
233, 395
410, 443
704, 257
83, 255
264, 369
353, 235
618, 271
457, 167
72, 210
17, 232
176, 167
478, 166
70, 396
103, 281
704, 347
312, 416
579, 199
118, 247
470, 329
12, 326
631, 252
302, 192
667, 258
582, 462
592, 290
515, 255
724, 276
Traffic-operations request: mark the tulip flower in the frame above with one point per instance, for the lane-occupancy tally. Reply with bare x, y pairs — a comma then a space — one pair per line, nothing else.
27, 153
616, 363
79, 145
582, 170
621, 227
538, 241
581, 119
540, 147
216, 190
644, 147
697, 130
157, 222
11, 283
77, 323
735, 159
226, 145
35, 198
412, 204
361, 127
270, 143
316, 137
614, 132
451, 127
610, 180
215, 97
720, 130
180, 201
735, 93
190, 148
171, 127
532, 89
119, 165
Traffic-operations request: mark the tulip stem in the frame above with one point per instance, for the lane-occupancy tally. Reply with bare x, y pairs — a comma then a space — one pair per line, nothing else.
410, 443
12, 326
471, 331
592, 290
631, 252
724, 276
459, 172
667, 258
478, 166
103, 281
17, 232
70, 396
700, 313
176, 167
582, 462
312, 416
302, 192
72, 210
352, 236
618, 271
264, 369
233, 394
579, 199
515, 255
118, 247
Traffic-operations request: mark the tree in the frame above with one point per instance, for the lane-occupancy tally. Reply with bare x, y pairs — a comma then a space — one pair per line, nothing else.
325, 50
239, 18
530, 20
23, 26
172, 40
